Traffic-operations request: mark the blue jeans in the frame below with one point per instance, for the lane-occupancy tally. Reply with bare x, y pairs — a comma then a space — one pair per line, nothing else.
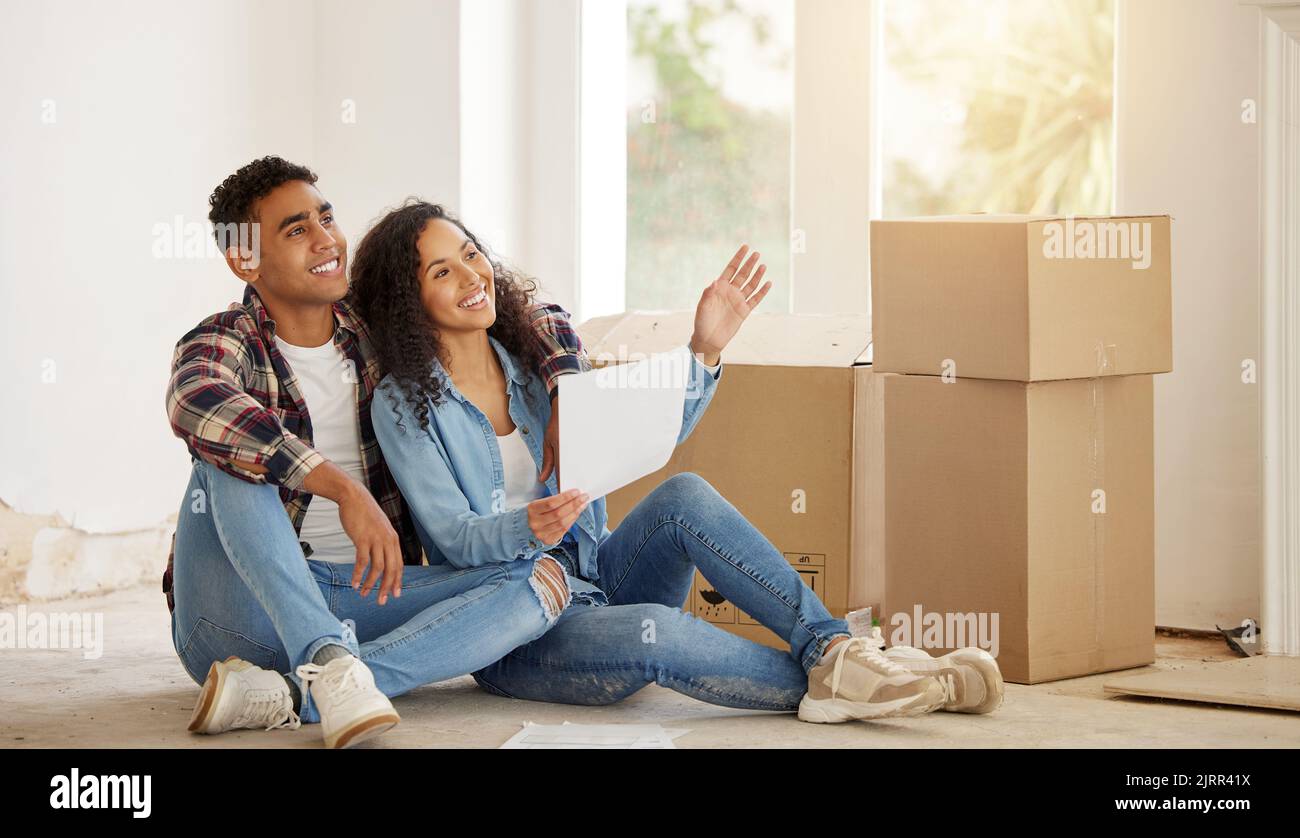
242, 587
601, 654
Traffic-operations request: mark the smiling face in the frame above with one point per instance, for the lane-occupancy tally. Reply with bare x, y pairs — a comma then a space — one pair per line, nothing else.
303, 258
457, 287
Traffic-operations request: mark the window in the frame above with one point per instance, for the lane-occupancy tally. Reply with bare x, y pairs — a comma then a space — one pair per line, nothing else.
996, 106
709, 94
910, 107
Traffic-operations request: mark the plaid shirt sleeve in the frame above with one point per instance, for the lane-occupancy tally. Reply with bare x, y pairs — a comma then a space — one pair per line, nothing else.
212, 409
562, 351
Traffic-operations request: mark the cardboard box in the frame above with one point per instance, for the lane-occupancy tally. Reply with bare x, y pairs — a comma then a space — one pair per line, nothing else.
792, 439
1024, 512
1021, 298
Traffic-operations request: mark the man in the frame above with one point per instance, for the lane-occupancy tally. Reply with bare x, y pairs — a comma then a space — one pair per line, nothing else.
292, 519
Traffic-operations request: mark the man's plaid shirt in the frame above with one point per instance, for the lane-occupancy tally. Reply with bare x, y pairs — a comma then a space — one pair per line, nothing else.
233, 396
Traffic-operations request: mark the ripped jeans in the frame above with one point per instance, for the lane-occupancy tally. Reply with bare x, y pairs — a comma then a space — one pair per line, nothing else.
599, 654
243, 588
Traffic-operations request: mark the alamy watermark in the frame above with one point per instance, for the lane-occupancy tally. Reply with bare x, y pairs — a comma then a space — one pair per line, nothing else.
181, 239
945, 630
74, 790
1088, 238
23, 629
627, 370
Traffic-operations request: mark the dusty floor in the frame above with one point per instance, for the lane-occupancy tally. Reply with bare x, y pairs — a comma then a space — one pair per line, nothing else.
137, 695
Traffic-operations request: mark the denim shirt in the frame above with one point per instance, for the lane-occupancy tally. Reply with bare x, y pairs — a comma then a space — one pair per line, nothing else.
454, 483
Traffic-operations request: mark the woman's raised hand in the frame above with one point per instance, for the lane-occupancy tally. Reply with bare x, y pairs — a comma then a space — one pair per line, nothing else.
725, 304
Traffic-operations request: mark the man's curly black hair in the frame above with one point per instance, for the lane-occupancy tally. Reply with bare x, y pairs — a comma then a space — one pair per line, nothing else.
385, 292
232, 201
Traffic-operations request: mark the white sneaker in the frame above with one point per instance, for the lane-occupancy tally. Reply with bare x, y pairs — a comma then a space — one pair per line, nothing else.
970, 677
237, 694
855, 681
351, 707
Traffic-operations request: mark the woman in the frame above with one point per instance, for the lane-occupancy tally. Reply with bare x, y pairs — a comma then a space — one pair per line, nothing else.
459, 415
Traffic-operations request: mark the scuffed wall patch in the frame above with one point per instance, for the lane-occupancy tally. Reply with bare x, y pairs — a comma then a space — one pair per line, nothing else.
41, 557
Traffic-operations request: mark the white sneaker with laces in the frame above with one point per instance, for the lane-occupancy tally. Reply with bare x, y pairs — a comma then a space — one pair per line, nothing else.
351, 707
855, 681
237, 694
970, 677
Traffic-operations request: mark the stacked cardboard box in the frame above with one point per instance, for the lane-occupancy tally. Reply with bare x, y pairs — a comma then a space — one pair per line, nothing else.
989, 481
1014, 357
792, 439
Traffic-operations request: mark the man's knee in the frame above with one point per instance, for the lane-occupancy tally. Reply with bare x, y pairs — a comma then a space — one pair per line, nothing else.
552, 588
213, 480
228, 501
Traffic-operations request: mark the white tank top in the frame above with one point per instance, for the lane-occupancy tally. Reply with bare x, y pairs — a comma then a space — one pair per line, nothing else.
520, 471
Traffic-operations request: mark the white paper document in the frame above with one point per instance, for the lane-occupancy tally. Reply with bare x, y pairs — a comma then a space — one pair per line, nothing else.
621, 422
592, 736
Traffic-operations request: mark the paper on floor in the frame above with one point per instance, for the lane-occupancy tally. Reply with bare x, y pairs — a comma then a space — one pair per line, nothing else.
593, 736
621, 422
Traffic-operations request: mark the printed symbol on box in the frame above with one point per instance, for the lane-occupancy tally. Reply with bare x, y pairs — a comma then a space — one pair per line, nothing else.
810, 576
710, 605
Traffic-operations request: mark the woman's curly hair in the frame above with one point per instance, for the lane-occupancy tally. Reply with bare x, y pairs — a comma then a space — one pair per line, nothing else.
385, 292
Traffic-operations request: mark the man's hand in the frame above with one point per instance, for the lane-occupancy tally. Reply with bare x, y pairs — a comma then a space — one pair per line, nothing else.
378, 547
551, 443
550, 518
725, 304
379, 550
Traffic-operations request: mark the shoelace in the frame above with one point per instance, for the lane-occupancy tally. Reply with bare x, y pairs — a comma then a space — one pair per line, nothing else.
862, 648
263, 705
949, 686
341, 675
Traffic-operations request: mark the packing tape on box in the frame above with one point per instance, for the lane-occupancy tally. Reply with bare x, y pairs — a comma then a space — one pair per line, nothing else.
1106, 365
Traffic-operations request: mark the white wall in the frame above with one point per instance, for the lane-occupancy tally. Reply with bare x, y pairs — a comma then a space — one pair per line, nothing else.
398, 64
550, 250
152, 109
1184, 67
154, 105
492, 123
835, 188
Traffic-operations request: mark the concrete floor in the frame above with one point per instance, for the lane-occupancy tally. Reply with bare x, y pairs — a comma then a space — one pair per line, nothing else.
137, 695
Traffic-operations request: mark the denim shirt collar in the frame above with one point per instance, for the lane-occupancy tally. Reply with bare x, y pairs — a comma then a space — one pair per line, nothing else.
513, 374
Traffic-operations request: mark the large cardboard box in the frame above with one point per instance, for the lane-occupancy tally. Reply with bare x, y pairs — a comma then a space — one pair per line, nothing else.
1021, 298
1021, 516
792, 439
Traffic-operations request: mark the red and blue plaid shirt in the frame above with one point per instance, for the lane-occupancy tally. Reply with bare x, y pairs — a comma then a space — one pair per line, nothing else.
233, 396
